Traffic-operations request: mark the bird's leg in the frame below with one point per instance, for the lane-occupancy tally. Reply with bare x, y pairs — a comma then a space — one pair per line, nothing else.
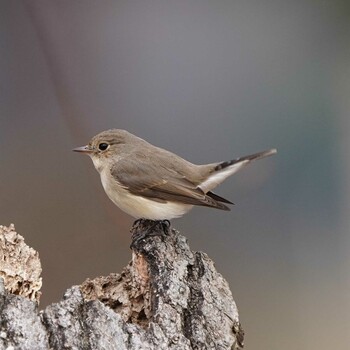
143, 228
166, 226
155, 231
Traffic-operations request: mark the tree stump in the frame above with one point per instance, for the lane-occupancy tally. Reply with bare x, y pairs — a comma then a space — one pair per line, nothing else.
167, 297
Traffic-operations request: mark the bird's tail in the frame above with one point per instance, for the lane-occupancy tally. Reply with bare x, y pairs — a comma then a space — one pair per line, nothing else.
218, 172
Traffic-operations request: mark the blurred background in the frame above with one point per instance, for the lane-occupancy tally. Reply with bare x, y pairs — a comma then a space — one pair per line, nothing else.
209, 80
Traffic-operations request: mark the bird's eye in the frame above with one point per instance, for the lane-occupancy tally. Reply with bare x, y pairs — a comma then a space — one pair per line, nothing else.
103, 146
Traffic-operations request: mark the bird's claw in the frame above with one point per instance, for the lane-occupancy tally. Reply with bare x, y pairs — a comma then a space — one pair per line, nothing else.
143, 228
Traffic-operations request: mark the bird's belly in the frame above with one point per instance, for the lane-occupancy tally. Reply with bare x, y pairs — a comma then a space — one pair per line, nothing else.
141, 207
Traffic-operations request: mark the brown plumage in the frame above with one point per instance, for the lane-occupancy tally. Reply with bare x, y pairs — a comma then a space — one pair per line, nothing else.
149, 182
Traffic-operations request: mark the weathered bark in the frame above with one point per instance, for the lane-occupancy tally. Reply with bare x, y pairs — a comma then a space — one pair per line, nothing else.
168, 297
20, 265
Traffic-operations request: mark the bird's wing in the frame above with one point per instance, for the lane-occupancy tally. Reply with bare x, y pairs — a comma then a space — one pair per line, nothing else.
159, 183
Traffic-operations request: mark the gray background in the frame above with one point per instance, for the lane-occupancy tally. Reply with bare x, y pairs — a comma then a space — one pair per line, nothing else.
209, 80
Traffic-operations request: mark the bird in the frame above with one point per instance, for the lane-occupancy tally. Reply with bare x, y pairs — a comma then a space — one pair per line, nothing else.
148, 182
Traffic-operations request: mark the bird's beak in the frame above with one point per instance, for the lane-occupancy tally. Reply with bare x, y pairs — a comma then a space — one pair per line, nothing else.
83, 149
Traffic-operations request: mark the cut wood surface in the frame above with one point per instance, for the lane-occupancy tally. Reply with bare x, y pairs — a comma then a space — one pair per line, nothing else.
167, 297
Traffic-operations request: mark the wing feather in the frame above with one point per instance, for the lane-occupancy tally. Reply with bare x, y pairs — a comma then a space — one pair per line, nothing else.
161, 184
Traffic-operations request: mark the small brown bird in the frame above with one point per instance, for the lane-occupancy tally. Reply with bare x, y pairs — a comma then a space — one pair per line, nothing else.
149, 182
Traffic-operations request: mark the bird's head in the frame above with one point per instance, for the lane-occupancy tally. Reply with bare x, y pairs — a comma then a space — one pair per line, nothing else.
106, 146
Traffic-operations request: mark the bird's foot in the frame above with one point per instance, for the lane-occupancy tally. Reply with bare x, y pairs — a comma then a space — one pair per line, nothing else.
165, 225
143, 228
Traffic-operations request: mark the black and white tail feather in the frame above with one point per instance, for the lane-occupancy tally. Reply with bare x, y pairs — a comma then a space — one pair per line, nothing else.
221, 171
